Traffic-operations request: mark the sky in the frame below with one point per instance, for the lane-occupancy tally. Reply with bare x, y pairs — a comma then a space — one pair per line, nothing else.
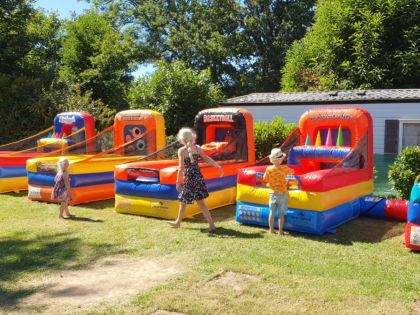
65, 8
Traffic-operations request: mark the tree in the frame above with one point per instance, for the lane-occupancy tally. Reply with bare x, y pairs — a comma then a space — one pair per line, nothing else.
99, 57
177, 92
243, 43
29, 41
270, 27
357, 44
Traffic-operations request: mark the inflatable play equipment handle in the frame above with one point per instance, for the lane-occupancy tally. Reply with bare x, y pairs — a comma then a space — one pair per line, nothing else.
213, 147
143, 175
293, 182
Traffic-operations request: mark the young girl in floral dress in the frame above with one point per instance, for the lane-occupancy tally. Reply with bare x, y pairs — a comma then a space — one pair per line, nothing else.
61, 190
194, 188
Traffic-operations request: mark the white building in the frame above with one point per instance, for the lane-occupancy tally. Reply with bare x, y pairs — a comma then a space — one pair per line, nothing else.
395, 113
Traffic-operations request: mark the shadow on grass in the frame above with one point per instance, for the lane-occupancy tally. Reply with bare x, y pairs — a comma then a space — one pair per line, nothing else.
23, 193
361, 230
98, 205
222, 232
84, 219
20, 255
221, 214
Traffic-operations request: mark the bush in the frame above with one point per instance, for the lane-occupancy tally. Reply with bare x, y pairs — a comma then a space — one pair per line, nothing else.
404, 171
269, 135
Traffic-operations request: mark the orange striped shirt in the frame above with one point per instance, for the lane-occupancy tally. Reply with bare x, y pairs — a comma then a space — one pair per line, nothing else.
275, 178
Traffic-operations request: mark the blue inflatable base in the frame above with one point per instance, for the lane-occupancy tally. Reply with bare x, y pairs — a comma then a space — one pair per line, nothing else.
306, 221
12, 171
76, 180
166, 191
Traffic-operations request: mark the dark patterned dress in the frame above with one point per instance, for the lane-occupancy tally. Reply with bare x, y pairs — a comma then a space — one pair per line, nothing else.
194, 187
60, 191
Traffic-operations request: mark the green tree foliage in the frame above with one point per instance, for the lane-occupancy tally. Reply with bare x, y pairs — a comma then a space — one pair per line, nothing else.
269, 135
29, 42
177, 92
243, 43
99, 58
404, 171
357, 44
269, 29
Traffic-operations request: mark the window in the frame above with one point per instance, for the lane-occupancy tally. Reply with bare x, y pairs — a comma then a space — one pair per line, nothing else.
391, 136
409, 133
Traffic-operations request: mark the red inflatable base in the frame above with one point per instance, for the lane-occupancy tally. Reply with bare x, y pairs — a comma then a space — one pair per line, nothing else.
412, 236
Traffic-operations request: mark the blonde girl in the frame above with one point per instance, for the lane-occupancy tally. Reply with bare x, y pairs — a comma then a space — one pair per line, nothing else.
61, 190
194, 187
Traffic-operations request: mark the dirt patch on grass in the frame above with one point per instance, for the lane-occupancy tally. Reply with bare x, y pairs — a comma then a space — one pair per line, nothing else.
111, 281
395, 229
163, 312
415, 309
235, 281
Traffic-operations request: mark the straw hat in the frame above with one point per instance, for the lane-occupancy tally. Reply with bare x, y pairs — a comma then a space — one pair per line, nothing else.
277, 153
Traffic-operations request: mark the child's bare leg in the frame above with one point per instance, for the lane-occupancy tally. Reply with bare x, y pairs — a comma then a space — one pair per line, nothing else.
181, 212
206, 214
60, 215
271, 221
66, 209
281, 222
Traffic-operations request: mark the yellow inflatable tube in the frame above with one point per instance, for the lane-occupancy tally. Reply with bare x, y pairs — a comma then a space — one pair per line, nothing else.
305, 200
13, 184
168, 209
78, 165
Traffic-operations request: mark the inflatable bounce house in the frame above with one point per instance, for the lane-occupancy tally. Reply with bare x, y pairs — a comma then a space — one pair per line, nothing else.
69, 129
135, 133
412, 230
148, 187
331, 153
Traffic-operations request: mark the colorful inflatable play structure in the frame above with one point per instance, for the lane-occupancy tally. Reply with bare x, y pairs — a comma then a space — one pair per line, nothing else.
412, 230
135, 133
331, 153
148, 187
69, 129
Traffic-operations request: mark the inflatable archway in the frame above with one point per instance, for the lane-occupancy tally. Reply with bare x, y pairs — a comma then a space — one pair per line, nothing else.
148, 187
69, 129
332, 154
135, 133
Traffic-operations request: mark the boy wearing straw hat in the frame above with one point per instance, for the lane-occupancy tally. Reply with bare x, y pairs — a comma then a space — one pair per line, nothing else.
275, 178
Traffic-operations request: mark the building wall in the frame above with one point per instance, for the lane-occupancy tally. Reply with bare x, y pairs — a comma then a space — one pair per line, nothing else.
379, 112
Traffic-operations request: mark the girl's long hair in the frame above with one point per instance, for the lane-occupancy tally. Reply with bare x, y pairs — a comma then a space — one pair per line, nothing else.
60, 164
187, 137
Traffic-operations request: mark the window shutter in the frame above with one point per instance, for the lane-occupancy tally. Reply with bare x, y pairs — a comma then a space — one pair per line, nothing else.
391, 136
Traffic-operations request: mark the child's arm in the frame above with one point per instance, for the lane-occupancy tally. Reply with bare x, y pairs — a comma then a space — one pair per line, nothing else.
66, 178
266, 177
210, 160
180, 169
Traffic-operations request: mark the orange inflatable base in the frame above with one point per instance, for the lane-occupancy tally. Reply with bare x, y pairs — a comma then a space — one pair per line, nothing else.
80, 195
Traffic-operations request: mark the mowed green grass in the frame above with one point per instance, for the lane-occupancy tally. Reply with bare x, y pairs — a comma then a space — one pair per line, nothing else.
362, 269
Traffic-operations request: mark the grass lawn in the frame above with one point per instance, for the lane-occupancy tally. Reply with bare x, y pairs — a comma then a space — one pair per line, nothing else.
362, 269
